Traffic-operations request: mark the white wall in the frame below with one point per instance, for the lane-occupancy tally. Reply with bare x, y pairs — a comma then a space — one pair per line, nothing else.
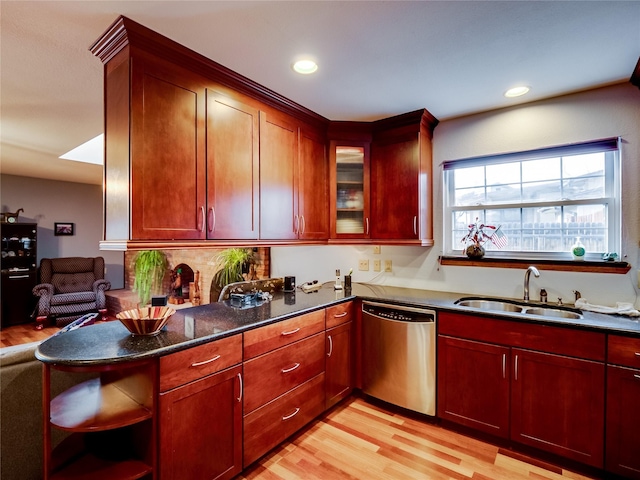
48, 201
601, 113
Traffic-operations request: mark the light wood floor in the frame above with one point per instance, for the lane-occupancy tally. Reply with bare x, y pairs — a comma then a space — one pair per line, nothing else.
25, 333
359, 440
362, 441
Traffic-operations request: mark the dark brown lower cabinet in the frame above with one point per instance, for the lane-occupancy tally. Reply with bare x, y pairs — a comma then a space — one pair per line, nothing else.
557, 405
201, 428
338, 370
473, 384
623, 421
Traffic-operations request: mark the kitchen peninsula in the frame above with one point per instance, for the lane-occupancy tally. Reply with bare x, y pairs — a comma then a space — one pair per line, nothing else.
243, 370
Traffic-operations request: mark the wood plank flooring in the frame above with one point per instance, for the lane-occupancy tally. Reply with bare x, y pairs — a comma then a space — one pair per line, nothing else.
359, 440
25, 333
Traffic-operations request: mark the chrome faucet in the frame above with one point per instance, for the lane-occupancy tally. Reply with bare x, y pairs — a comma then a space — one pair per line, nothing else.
527, 274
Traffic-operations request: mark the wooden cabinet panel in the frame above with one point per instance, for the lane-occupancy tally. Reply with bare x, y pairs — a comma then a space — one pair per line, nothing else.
270, 375
394, 187
623, 351
313, 191
623, 422
473, 384
167, 152
557, 405
278, 170
533, 336
232, 168
274, 422
276, 335
339, 364
201, 428
339, 314
188, 365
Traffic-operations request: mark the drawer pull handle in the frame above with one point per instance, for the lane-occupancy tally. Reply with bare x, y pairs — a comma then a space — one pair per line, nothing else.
197, 364
340, 315
291, 332
287, 417
287, 370
637, 354
636, 376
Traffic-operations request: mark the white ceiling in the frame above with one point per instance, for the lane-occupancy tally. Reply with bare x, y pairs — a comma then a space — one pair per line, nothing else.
376, 59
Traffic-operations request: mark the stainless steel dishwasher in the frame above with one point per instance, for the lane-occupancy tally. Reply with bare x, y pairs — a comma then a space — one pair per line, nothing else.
399, 355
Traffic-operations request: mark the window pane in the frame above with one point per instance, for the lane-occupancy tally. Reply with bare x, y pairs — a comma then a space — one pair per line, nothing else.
469, 196
469, 177
546, 169
502, 174
504, 194
542, 191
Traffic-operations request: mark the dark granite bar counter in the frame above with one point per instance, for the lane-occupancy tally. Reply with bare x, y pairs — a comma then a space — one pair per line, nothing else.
110, 342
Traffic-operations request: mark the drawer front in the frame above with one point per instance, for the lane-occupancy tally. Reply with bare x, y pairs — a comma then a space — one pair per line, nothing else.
270, 375
263, 339
624, 351
339, 314
268, 426
188, 365
532, 336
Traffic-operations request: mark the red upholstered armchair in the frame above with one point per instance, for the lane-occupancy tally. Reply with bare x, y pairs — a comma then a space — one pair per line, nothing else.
70, 287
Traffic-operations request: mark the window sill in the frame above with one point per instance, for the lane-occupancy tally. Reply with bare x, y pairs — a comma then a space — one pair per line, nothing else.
559, 265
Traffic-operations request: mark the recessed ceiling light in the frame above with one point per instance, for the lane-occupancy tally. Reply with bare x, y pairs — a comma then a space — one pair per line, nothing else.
305, 66
91, 151
516, 91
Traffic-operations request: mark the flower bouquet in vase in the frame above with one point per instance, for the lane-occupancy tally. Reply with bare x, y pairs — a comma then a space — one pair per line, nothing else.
478, 234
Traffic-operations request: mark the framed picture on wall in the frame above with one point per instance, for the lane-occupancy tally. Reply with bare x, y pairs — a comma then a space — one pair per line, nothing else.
63, 228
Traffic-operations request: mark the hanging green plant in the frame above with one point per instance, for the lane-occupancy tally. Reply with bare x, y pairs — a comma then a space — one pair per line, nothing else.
150, 267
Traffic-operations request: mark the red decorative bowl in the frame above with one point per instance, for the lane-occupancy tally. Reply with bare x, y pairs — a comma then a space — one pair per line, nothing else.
146, 320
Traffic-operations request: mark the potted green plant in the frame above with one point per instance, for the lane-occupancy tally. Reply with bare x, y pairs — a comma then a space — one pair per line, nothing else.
232, 263
150, 267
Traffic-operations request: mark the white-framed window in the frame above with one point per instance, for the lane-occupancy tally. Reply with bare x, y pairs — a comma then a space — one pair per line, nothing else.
542, 200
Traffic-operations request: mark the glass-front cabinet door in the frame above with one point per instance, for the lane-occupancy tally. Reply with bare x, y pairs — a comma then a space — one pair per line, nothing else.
350, 190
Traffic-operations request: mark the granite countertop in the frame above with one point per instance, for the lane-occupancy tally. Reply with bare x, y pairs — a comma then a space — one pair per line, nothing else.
110, 342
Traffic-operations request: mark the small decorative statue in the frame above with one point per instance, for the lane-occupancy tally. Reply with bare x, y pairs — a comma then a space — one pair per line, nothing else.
176, 287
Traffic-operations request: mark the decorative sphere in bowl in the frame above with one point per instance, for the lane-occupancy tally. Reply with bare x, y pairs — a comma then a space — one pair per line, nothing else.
146, 320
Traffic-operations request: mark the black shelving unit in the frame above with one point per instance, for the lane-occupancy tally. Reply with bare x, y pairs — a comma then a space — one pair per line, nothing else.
19, 272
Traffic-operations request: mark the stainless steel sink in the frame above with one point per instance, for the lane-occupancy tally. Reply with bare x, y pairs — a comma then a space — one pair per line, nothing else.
551, 312
498, 305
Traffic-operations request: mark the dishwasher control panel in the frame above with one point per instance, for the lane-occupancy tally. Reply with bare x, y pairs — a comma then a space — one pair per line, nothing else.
400, 313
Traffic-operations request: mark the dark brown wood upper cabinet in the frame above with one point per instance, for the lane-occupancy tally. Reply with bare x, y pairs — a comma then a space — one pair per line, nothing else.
233, 162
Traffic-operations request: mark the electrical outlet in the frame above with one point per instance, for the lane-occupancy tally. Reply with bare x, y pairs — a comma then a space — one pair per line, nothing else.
376, 249
376, 266
363, 265
387, 266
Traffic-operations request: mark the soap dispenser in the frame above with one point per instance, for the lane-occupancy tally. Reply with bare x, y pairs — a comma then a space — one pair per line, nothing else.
338, 284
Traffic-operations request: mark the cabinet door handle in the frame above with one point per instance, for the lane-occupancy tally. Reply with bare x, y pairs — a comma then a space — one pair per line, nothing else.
291, 369
415, 225
330, 346
291, 415
340, 315
637, 354
504, 365
204, 220
303, 223
636, 376
516, 367
366, 221
197, 364
11, 277
241, 389
296, 228
291, 332
212, 216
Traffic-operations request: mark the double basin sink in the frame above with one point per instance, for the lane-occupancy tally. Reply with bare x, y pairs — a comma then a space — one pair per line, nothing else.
511, 306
